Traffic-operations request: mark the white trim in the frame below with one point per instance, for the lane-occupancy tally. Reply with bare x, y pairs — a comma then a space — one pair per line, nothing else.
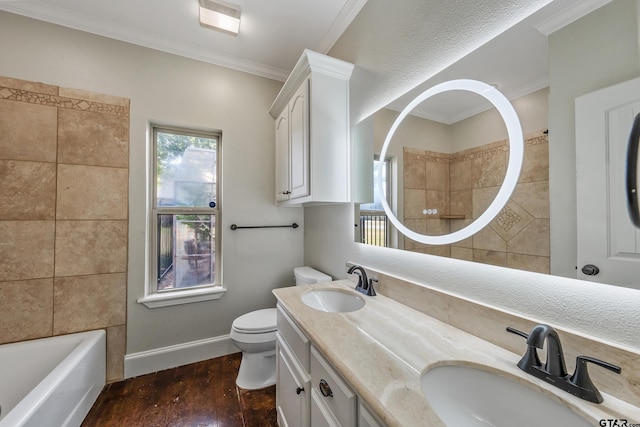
342, 22
165, 299
569, 15
146, 362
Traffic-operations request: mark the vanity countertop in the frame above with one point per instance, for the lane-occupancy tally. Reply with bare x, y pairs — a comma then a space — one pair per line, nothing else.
383, 349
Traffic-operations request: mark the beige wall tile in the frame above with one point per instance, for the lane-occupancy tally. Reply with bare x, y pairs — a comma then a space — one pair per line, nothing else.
90, 247
83, 303
535, 165
27, 309
489, 170
92, 96
415, 201
92, 192
116, 347
88, 138
490, 257
26, 249
533, 240
442, 250
437, 227
437, 200
533, 197
511, 220
538, 264
482, 198
488, 239
460, 175
28, 190
461, 203
28, 86
28, 131
437, 176
462, 253
414, 170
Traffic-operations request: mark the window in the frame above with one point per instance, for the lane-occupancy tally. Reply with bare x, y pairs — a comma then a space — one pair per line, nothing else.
374, 224
185, 218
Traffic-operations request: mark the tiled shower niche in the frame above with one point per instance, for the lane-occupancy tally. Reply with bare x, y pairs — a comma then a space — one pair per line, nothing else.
64, 166
462, 185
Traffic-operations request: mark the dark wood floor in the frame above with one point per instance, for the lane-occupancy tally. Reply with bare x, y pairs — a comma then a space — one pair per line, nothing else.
202, 394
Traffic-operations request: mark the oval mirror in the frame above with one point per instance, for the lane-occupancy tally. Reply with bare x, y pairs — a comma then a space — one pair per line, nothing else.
515, 156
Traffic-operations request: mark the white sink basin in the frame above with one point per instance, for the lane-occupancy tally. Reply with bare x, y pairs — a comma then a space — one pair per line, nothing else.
333, 301
463, 396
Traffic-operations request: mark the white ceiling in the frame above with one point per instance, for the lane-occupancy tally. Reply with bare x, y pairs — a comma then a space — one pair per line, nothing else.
272, 35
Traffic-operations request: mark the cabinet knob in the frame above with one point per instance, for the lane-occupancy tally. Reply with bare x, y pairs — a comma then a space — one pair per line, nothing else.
325, 389
299, 390
286, 192
590, 270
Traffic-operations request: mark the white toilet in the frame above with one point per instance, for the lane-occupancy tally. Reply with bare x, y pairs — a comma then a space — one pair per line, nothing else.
254, 334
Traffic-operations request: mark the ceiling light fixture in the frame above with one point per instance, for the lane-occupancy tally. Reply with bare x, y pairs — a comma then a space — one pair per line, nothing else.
220, 15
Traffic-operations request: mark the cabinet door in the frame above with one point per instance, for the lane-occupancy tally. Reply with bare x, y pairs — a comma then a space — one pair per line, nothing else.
282, 156
366, 418
292, 391
321, 416
299, 142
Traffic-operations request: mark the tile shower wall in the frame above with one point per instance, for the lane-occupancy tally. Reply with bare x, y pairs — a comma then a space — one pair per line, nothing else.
464, 184
64, 166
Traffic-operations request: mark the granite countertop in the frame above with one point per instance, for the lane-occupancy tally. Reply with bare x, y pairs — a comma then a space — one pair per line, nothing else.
383, 349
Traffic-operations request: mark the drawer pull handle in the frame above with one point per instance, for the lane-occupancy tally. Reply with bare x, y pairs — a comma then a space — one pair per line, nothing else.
325, 389
299, 390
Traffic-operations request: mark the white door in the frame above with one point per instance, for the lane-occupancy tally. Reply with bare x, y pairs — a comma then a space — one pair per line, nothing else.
299, 142
607, 239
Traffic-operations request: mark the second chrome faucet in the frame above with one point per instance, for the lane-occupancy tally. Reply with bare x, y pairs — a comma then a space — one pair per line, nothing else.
553, 370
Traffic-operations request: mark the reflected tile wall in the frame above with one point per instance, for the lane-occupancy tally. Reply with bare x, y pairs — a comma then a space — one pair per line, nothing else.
64, 157
518, 237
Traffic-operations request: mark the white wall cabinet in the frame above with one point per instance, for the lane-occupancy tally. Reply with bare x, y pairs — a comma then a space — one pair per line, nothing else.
313, 151
309, 391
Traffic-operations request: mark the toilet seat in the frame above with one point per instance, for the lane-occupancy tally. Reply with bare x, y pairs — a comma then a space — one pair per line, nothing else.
256, 322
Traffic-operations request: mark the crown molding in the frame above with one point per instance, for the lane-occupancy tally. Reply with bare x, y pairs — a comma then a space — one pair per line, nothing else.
95, 26
342, 22
569, 15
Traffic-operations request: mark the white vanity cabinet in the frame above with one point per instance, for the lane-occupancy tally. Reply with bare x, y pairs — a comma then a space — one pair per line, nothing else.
312, 147
309, 391
293, 383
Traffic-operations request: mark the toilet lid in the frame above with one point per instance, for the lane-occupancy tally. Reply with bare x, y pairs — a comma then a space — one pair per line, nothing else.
258, 321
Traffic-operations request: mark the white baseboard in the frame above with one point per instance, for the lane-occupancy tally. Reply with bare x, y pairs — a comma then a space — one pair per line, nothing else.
146, 362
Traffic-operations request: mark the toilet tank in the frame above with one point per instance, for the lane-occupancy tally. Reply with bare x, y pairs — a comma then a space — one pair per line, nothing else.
307, 275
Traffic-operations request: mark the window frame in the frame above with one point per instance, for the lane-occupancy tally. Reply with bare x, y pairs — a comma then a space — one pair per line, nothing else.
153, 297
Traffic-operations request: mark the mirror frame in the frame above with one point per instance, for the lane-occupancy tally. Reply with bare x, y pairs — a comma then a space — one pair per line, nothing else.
516, 154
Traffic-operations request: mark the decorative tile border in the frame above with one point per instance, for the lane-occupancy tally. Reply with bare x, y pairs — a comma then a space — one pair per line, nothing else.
31, 97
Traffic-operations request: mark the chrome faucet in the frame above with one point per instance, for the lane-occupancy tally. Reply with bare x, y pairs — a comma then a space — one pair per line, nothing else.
553, 371
364, 285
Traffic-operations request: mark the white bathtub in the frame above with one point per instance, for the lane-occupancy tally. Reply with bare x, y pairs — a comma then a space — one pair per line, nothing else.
51, 381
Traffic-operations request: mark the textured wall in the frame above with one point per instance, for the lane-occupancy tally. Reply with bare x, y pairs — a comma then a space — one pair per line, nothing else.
63, 224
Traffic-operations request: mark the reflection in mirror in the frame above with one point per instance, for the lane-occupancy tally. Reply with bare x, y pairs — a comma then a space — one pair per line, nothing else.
510, 153
562, 52
444, 175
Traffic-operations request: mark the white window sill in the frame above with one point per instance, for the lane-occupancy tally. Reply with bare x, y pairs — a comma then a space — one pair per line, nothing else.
166, 299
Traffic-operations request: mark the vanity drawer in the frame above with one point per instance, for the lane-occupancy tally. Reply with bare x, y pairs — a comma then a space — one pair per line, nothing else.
294, 337
333, 390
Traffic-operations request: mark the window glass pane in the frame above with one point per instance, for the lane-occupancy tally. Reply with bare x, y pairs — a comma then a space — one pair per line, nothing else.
186, 166
377, 204
186, 251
